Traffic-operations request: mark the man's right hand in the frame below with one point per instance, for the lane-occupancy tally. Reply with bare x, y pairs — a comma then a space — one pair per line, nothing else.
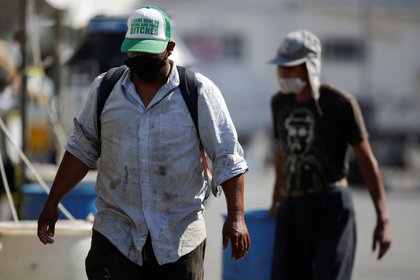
46, 223
70, 172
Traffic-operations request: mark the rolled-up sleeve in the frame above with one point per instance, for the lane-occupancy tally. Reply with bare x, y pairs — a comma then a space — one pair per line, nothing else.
218, 135
83, 142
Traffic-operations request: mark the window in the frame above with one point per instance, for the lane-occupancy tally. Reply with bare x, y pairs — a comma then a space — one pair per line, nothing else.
344, 49
212, 47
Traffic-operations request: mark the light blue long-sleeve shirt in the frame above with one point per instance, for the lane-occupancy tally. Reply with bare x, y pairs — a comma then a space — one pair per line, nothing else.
150, 174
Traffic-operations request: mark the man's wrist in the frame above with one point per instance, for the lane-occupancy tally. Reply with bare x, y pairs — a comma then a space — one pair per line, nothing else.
383, 220
235, 214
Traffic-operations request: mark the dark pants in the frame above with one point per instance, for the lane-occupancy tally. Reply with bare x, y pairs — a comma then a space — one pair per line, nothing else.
315, 237
105, 261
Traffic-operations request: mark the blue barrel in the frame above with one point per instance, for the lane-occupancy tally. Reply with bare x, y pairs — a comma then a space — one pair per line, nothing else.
80, 201
257, 264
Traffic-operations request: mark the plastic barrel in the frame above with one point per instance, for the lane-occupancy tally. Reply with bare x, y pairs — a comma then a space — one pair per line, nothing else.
257, 263
80, 201
23, 256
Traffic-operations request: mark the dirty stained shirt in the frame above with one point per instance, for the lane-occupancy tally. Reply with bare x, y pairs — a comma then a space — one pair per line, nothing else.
150, 174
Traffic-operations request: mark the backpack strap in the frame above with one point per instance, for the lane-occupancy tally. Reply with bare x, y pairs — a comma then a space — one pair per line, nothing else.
189, 90
107, 85
188, 86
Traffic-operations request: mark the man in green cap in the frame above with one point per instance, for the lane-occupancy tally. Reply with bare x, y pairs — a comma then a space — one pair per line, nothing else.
150, 183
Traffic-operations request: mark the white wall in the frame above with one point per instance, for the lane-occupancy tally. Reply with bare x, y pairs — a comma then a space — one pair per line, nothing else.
390, 73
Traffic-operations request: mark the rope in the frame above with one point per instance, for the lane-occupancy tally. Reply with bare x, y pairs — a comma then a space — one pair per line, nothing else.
33, 170
7, 188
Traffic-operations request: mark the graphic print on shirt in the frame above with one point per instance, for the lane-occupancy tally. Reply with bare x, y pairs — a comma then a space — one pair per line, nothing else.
302, 169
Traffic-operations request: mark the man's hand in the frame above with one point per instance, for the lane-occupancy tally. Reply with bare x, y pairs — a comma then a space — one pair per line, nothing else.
382, 238
369, 168
70, 172
235, 230
46, 223
274, 208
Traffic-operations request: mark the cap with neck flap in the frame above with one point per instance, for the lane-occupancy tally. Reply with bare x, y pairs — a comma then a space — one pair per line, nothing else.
300, 47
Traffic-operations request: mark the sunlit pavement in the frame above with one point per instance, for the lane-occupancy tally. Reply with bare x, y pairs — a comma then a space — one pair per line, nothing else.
401, 262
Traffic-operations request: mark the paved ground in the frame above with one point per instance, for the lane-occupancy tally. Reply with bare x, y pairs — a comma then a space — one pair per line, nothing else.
401, 263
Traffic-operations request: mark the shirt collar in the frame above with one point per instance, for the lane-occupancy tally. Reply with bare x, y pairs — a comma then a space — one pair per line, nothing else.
171, 83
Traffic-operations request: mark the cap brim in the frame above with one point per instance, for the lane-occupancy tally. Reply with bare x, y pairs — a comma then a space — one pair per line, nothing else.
145, 46
285, 61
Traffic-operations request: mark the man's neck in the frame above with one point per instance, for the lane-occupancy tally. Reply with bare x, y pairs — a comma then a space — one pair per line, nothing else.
305, 94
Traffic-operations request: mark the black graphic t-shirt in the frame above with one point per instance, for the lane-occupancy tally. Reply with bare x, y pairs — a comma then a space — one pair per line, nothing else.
314, 146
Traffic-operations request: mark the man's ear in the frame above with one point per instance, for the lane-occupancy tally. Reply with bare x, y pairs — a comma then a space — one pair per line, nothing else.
171, 47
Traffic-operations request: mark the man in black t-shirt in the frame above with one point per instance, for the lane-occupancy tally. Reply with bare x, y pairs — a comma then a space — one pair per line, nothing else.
314, 124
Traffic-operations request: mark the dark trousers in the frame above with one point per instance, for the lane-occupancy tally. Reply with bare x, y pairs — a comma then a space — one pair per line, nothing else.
105, 261
315, 237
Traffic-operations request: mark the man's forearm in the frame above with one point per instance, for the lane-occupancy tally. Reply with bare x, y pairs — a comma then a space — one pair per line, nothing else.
234, 194
373, 180
371, 174
70, 172
277, 184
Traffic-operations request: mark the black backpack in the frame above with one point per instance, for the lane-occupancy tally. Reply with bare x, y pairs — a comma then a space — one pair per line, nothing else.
187, 84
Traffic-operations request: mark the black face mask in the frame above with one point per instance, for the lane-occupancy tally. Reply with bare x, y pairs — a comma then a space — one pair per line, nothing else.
147, 68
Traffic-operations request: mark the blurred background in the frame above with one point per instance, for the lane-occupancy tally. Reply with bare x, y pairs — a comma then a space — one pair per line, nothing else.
51, 50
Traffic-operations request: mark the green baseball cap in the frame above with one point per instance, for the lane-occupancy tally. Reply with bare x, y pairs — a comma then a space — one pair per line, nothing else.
149, 31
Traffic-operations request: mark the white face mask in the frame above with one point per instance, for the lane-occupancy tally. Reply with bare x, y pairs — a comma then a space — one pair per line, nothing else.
291, 85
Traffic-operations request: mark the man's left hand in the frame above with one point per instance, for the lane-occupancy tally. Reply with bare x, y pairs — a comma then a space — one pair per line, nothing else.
235, 230
382, 238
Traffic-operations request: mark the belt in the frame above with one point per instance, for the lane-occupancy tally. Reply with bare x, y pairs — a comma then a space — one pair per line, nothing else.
342, 183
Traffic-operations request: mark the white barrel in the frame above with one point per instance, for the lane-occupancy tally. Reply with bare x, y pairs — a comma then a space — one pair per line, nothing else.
23, 256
